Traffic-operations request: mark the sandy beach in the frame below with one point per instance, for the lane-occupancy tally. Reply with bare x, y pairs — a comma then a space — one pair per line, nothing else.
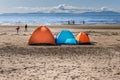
98, 61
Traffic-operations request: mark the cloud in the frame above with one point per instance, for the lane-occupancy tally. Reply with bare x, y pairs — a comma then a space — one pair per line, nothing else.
62, 8
33, 8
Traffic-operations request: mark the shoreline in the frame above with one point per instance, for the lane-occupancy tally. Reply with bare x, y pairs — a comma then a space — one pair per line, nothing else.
81, 26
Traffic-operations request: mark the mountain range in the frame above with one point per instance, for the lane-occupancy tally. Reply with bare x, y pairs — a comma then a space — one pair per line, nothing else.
84, 13
101, 13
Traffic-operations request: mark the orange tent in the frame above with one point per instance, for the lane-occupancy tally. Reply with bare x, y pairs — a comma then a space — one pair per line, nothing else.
82, 38
42, 35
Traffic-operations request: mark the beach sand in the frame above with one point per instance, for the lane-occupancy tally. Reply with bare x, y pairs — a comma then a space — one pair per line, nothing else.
98, 61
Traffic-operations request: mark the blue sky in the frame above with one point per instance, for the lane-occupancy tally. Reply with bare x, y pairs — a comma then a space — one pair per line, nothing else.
8, 6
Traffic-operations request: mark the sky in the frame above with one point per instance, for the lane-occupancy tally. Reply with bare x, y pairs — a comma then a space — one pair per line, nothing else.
25, 6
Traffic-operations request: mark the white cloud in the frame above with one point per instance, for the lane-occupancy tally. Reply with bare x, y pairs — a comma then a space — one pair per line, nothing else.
62, 8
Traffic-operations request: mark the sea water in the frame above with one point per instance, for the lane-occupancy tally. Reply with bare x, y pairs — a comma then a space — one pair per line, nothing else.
57, 18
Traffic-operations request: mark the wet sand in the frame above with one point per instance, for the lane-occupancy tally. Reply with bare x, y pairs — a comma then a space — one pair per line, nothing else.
98, 61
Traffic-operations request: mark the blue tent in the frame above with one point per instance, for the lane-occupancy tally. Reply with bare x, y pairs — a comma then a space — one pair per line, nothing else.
65, 37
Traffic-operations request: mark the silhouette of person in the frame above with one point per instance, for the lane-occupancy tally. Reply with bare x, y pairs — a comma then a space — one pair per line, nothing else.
83, 22
18, 28
68, 22
73, 22
26, 27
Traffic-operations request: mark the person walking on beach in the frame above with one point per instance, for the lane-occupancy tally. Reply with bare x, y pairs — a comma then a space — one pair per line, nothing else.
17, 29
26, 27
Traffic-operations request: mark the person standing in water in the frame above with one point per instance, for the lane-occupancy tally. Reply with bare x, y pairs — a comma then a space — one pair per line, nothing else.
26, 27
83, 22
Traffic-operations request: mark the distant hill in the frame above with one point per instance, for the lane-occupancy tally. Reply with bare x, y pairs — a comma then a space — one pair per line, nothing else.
101, 13
84, 13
